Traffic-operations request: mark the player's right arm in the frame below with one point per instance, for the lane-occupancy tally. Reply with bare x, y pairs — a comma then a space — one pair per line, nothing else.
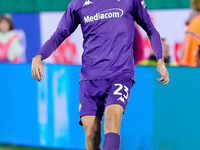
66, 27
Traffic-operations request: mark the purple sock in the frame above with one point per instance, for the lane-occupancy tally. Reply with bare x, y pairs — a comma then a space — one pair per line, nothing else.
111, 142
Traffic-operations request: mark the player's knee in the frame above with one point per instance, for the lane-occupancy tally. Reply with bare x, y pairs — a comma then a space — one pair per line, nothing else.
93, 136
112, 123
93, 141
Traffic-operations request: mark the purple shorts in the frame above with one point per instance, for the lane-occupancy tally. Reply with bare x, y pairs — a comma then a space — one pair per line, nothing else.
95, 95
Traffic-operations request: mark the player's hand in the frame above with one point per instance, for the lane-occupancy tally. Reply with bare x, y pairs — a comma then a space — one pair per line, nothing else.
163, 72
37, 68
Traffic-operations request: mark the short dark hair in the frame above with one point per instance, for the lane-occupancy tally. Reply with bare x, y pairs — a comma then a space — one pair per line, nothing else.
8, 18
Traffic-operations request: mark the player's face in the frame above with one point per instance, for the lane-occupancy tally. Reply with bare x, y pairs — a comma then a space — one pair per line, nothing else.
4, 26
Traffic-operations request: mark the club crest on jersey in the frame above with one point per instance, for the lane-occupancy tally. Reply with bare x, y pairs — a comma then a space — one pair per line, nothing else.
87, 2
143, 3
80, 106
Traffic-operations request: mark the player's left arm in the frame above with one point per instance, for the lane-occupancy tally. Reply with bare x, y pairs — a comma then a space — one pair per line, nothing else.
142, 17
163, 72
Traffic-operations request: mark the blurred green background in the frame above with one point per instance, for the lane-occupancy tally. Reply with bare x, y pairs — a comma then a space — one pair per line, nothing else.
55, 5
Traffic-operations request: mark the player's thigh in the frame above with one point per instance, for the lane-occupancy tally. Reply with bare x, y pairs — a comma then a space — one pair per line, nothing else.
92, 125
91, 98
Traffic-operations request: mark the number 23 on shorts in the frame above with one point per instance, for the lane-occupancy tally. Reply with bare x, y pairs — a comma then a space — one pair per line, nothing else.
120, 90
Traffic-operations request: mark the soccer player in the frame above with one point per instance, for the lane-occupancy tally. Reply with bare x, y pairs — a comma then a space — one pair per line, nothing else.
107, 72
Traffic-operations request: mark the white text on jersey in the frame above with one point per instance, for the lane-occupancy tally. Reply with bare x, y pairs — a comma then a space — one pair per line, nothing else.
106, 14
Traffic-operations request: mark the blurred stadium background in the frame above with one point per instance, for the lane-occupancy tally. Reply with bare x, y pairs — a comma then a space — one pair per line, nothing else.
40, 116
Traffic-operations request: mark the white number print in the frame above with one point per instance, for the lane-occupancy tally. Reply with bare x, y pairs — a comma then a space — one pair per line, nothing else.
126, 90
117, 92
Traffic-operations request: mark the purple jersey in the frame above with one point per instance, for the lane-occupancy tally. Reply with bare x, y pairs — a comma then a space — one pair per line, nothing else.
108, 32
